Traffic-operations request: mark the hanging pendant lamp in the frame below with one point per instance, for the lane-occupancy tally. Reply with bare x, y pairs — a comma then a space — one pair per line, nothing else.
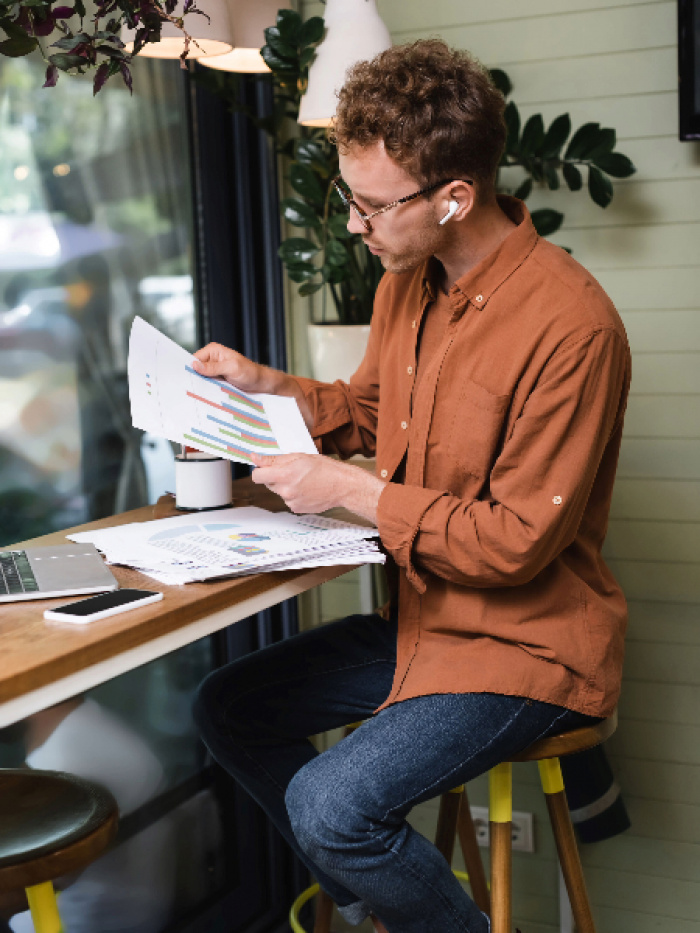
354, 32
211, 34
249, 20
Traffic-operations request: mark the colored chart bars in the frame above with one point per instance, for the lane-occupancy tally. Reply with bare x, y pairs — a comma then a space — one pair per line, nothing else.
238, 423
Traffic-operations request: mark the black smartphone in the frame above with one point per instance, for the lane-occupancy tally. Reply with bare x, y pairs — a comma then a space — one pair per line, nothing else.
102, 605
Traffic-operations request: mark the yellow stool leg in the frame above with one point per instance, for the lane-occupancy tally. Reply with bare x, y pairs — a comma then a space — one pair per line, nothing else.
44, 909
501, 831
553, 787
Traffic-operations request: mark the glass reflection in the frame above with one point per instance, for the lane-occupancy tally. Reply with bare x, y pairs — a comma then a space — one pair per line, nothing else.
95, 226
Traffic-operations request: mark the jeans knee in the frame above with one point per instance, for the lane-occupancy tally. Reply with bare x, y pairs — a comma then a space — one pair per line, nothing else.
324, 825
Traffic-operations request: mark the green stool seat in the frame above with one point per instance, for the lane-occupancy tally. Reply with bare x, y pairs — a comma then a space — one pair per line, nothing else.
51, 824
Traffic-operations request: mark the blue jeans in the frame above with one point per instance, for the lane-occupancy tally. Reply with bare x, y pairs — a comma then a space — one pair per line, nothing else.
344, 811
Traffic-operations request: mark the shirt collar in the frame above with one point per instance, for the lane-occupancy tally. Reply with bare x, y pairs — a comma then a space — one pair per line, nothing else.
480, 283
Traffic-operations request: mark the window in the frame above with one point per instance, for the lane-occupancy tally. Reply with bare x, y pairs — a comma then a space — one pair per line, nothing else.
95, 227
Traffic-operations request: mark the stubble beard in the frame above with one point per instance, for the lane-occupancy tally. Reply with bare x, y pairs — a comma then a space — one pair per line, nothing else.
420, 247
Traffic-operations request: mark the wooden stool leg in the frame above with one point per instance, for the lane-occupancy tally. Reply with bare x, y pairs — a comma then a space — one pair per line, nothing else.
553, 787
44, 909
324, 912
501, 830
472, 856
446, 831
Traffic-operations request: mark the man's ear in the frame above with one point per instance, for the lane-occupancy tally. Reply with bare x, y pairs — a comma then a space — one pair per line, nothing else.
457, 202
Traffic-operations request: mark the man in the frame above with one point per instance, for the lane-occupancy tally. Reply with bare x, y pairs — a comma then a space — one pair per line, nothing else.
492, 395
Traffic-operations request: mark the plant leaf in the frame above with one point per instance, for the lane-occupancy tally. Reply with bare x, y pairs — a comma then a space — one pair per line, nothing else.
547, 221
289, 25
572, 176
556, 136
51, 76
305, 182
18, 43
501, 80
582, 140
551, 176
299, 213
65, 62
312, 31
311, 153
297, 249
308, 288
523, 192
533, 136
338, 225
512, 118
301, 271
604, 144
336, 254
278, 45
599, 186
101, 76
275, 63
615, 164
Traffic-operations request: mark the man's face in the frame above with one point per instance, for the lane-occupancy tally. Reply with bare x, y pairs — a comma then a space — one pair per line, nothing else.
404, 236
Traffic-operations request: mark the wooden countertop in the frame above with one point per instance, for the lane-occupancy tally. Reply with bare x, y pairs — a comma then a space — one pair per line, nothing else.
35, 653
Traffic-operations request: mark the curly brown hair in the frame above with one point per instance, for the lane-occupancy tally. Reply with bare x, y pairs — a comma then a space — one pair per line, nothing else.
436, 110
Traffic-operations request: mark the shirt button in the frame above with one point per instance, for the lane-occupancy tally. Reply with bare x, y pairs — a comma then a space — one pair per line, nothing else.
556, 500
404, 424
479, 297
413, 323
384, 474
409, 370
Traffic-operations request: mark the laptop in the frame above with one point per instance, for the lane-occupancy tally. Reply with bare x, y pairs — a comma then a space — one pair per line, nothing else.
62, 570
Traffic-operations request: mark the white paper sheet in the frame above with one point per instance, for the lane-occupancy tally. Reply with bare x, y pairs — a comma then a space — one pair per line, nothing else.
171, 400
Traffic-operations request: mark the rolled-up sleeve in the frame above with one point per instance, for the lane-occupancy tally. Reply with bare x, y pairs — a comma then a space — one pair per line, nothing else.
538, 486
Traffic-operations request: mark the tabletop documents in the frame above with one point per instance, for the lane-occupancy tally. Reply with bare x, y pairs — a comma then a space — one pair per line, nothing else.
232, 542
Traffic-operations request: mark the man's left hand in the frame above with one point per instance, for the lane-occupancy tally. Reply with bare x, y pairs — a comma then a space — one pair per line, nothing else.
309, 483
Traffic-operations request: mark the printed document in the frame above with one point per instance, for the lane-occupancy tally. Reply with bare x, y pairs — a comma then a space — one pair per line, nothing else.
170, 399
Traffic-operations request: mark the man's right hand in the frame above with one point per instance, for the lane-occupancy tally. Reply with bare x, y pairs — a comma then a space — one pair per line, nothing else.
219, 362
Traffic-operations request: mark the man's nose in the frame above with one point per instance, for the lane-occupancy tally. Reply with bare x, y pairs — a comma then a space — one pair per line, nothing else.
355, 225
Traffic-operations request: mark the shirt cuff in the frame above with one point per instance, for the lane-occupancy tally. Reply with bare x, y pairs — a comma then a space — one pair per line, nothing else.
328, 403
399, 516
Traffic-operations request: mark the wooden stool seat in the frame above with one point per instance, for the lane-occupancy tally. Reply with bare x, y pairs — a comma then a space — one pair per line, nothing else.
51, 824
566, 743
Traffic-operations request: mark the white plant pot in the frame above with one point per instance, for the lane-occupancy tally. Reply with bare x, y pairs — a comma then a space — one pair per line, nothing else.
336, 349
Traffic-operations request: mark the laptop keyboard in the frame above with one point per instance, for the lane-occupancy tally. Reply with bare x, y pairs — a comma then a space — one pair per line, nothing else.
16, 575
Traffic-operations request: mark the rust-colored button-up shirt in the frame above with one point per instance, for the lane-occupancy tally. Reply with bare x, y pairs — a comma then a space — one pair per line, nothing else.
508, 449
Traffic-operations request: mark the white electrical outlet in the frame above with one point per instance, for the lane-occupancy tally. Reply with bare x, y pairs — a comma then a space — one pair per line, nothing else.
523, 836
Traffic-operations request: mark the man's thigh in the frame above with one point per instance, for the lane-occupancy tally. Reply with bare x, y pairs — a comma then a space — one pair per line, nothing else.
315, 681
419, 748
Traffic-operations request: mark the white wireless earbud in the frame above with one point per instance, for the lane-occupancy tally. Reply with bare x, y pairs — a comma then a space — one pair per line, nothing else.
453, 207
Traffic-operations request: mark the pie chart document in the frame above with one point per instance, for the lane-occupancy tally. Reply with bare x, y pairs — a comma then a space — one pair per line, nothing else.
170, 399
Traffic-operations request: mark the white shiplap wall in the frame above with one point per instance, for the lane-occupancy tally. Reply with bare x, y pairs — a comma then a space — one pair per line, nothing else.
616, 64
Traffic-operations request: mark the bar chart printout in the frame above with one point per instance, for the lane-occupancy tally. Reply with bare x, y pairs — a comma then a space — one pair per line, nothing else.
170, 399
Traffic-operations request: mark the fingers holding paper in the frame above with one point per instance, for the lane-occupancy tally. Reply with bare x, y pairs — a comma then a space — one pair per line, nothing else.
310, 484
219, 362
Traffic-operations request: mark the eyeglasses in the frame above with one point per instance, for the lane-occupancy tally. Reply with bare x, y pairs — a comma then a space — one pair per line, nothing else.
366, 219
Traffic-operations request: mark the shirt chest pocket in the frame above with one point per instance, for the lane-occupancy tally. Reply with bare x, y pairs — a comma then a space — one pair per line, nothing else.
477, 429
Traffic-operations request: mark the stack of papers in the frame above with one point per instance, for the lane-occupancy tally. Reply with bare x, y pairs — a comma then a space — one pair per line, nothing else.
231, 542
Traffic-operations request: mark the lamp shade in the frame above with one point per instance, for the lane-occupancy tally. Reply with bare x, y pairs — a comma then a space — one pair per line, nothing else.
354, 33
212, 35
249, 20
